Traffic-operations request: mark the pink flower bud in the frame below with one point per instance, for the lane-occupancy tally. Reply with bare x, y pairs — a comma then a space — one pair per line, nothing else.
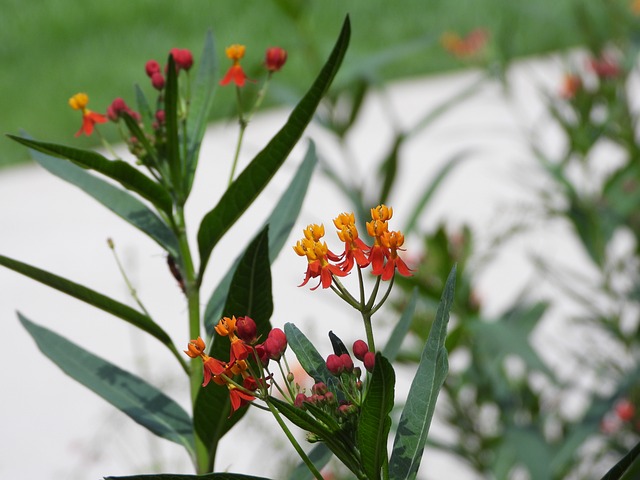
360, 348
319, 388
160, 116
275, 58
300, 399
334, 364
625, 410
152, 67
157, 80
369, 361
246, 329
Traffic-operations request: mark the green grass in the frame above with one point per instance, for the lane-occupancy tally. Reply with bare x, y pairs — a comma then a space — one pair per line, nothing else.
51, 50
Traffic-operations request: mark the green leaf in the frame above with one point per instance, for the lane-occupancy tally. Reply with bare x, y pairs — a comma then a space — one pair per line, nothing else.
171, 98
123, 173
627, 468
389, 168
250, 295
374, 422
130, 394
259, 172
415, 420
524, 446
281, 221
319, 456
115, 199
394, 343
143, 105
175, 476
309, 358
89, 296
202, 93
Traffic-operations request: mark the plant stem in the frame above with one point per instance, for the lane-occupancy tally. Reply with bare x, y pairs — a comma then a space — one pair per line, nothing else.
243, 126
192, 293
294, 442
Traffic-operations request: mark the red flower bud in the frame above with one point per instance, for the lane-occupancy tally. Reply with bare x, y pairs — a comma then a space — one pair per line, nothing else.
625, 410
182, 57
152, 67
334, 364
347, 363
275, 344
369, 361
157, 80
160, 116
300, 399
246, 329
360, 348
319, 388
275, 58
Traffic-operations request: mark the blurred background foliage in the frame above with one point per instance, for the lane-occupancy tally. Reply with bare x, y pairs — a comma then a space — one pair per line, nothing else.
52, 50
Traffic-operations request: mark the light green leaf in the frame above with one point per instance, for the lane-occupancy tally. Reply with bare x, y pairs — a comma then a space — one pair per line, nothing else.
399, 332
123, 173
415, 420
115, 199
130, 394
91, 297
245, 189
280, 222
374, 422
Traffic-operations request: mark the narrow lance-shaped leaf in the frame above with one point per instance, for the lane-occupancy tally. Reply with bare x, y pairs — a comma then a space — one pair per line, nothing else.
374, 422
415, 420
130, 394
263, 167
175, 476
202, 91
281, 221
89, 296
115, 199
123, 173
251, 287
309, 358
171, 124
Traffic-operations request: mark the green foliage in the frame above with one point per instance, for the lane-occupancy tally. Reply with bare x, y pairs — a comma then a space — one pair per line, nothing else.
130, 394
244, 190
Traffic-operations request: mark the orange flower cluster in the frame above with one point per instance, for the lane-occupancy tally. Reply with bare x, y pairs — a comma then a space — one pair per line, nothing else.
464, 47
382, 256
242, 335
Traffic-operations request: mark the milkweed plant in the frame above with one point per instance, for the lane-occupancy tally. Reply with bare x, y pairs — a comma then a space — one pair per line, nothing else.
234, 355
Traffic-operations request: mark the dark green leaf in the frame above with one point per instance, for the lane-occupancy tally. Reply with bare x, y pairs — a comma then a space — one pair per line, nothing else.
115, 199
627, 468
171, 99
394, 343
137, 133
309, 358
143, 106
250, 295
338, 346
259, 172
130, 394
374, 422
89, 296
120, 171
280, 222
415, 420
389, 168
175, 476
202, 92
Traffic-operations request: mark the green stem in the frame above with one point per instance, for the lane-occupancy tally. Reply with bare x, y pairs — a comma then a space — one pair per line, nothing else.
243, 126
384, 298
294, 442
202, 460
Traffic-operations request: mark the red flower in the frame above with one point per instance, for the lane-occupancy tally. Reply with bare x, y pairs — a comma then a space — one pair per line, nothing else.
275, 344
604, 67
79, 102
318, 255
275, 58
212, 368
239, 397
235, 73
151, 67
355, 250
